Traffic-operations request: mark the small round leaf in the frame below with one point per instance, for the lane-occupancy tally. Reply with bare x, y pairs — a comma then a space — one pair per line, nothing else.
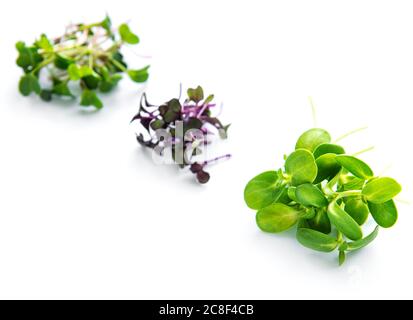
276, 218
357, 209
140, 75
328, 148
261, 191
381, 190
28, 84
320, 222
309, 195
312, 138
385, 214
301, 167
127, 35
327, 167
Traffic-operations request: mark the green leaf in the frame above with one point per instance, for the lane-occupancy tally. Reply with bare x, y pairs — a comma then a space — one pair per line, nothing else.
327, 167
309, 195
341, 258
352, 183
308, 213
281, 195
28, 84
192, 123
107, 24
381, 190
315, 240
74, 72
385, 214
291, 193
209, 99
28, 57
195, 95
357, 209
355, 166
174, 105
62, 89
170, 116
89, 98
157, 124
261, 191
344, 222
119, 58
44, 43
110, 84
301, 167
312, 138
223, 132
356, 245
140, 75
62, 62
276, 218
328, 148
46, 95
127, 35
91, 82
320, 222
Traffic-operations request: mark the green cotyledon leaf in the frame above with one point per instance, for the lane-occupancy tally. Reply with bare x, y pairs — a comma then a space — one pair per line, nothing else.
261, 190
327, 167
341, 257
89, 98
140, 75
127, 35
320, 222
356, 245
301, 167
28, 57
357, 209
276, 218
316, 240
344, 222
328, 148
309, 195
195, 94
291, 193
381, 190
385, 214
312, 138
355, 166
28, 84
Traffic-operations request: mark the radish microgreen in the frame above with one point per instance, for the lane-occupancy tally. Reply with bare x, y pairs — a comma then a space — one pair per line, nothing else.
182, 129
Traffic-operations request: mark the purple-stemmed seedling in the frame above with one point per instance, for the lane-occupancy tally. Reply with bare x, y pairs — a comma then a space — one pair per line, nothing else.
183, 127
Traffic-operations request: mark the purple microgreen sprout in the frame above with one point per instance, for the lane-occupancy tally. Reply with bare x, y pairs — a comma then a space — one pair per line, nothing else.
184, 127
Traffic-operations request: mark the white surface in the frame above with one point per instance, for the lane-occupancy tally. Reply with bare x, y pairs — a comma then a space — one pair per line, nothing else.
85, 214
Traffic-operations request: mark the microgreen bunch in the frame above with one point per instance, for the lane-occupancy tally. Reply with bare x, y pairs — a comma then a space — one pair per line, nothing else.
183, 127
89, 54
326, 193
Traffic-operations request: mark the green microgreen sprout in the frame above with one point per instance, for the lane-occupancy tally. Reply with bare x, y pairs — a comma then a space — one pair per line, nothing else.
182, 126
86, 54
327, 194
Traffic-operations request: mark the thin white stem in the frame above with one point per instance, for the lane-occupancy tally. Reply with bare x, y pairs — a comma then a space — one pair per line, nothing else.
363, 151
350, 133
313, 111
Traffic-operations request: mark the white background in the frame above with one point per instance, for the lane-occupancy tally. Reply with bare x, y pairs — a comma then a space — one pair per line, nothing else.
84, 213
